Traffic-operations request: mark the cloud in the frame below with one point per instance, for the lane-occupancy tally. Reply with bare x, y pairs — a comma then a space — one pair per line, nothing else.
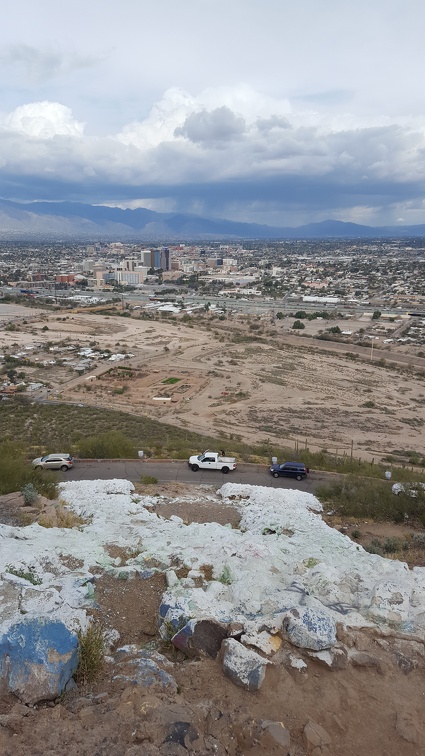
43, 120
262, 162
40, 65
210, 127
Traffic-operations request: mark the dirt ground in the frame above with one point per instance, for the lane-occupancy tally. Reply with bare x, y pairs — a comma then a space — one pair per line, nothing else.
374, 709
215, 379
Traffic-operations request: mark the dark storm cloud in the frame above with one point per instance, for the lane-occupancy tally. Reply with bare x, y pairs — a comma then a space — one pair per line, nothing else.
208, 127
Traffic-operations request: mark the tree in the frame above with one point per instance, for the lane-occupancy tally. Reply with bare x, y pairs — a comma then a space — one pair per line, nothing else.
376, 315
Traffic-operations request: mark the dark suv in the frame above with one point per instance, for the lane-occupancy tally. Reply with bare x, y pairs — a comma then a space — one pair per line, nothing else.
296, 470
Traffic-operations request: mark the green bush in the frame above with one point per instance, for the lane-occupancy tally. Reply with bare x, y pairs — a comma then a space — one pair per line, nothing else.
16, 472
109, 445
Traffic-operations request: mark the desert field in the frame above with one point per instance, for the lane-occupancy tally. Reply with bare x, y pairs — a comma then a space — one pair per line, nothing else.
215, 377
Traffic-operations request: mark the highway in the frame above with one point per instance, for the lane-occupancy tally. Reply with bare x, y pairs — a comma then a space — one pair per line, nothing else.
169, 470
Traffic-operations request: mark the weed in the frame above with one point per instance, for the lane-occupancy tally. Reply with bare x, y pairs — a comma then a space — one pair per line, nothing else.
29, 575
62, 518
169, 628
91, 650
225, 576
356, 534
147, 480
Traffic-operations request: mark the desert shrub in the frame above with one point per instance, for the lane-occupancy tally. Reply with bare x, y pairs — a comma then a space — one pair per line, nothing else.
298, 324
362, 497
30, 494
392, 545
16, 472
374, 547
91, 651
110, 445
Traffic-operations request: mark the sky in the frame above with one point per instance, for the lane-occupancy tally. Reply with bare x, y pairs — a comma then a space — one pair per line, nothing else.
281, 112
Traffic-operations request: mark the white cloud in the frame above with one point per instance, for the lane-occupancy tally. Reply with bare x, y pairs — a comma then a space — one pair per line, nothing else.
43, 120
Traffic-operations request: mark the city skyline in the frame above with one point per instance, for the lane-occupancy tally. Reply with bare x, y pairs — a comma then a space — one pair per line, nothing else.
270, 113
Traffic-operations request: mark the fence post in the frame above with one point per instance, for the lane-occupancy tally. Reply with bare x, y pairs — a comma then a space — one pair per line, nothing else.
352, 448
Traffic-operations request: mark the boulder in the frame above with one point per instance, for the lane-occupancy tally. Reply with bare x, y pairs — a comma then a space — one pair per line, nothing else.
316, 740
37, 658
407, 726
200, 637
275, 736
334, 658
363, 659
147, 674
244, 667
265, 642
309, 628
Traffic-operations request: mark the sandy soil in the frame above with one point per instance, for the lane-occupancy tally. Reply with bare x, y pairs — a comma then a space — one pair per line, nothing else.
280, 392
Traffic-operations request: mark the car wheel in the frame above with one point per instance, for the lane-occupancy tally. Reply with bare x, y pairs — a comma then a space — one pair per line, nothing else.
64, 468
275, 475
225, 470
299, 477
38, 467
195, 468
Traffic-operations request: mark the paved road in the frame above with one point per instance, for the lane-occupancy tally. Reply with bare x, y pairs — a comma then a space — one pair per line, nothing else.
179, 471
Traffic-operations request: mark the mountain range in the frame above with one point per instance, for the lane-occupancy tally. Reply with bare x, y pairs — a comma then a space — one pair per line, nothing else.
67, 220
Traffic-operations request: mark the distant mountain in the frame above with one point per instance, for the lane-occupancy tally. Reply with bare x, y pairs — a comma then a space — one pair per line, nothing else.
76, 220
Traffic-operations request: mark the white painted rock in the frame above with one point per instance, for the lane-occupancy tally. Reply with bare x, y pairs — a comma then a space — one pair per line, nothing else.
309, 628
244, 667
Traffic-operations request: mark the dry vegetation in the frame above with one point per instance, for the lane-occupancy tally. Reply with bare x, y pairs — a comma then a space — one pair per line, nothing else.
234, 380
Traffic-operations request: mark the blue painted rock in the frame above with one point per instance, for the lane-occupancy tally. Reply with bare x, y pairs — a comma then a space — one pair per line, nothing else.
38, 657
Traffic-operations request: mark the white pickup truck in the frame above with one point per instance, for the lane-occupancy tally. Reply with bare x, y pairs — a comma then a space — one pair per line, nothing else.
211, 461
